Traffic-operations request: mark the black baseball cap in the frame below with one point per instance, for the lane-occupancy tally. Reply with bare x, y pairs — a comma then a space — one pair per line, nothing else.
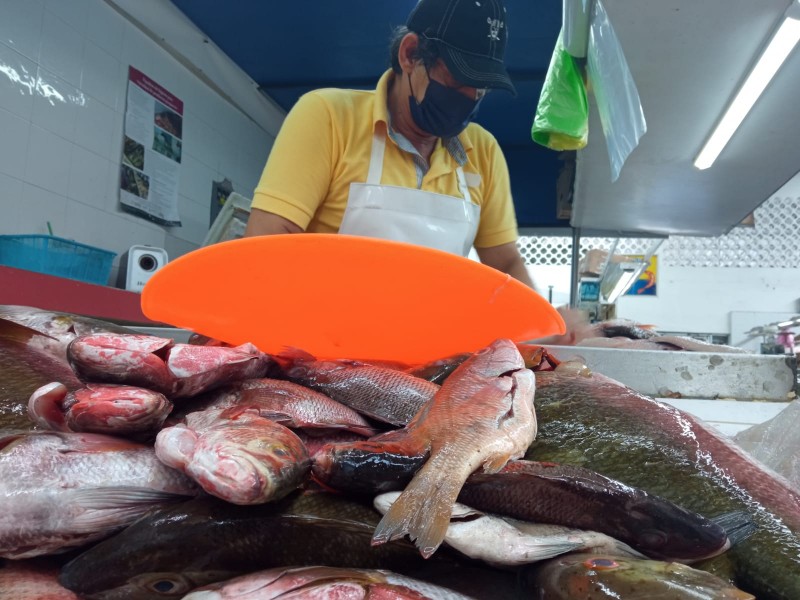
471, 36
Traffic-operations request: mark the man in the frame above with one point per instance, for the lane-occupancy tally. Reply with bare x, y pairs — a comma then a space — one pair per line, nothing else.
404, 162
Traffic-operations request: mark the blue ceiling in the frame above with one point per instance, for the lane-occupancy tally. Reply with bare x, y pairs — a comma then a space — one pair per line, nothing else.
289, 48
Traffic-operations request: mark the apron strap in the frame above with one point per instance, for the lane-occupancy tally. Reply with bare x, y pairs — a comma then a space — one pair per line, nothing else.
376, 157
376, 164
462, 185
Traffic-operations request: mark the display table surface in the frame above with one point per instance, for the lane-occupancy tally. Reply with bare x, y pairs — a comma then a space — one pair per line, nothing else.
47, 292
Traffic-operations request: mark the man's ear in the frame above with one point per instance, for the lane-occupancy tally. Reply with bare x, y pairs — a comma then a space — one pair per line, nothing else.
407, 51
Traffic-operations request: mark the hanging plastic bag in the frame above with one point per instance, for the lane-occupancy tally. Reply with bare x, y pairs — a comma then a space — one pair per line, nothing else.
562, 115
617, 98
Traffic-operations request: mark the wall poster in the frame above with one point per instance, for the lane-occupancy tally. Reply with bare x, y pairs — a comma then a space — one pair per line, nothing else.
645, 285
151, 152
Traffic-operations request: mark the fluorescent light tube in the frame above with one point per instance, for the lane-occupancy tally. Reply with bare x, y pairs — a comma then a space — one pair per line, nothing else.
779, 48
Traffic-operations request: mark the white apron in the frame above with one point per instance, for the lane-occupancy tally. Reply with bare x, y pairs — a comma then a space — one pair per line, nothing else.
410, 215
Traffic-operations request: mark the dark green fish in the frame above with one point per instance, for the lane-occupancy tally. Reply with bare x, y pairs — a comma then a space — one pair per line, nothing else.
602, 577
592, 421
206, 540
539, 492
580, 498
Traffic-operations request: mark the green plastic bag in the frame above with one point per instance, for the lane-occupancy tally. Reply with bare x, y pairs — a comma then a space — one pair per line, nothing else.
562, 115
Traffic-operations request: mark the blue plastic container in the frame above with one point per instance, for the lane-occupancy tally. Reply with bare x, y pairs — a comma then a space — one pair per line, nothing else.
56, 256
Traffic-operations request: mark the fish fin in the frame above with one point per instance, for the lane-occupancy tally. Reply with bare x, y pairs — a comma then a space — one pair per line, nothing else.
496, 464
119, 496
123, 502
276, 416
290, 355
423, 509
738, 525
16, 332
9, 439
364, 430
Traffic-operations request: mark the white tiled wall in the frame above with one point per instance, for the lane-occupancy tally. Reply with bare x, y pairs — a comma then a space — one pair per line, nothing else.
63, 82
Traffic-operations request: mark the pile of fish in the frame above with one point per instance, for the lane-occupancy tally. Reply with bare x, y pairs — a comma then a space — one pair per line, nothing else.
132, 467
628, 335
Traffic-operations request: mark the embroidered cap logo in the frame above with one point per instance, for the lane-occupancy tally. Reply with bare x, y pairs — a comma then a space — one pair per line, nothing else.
495, 25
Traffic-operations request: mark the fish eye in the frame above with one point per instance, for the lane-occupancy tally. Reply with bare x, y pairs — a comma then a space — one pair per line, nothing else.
652, 538
601, 564
168, 585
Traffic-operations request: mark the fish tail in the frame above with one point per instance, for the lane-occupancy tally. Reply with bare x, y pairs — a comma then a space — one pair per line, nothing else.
423, 510
738, 526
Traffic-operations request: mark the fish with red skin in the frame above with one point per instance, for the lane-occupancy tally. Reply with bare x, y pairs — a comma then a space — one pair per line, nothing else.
383, 393
481, 418
536, 358
32, 580
99, 408
284, 402
236, 455
175, 370
324, 582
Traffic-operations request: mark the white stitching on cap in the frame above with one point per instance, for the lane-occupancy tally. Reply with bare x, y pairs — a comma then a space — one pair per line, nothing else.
449, 12
478, 75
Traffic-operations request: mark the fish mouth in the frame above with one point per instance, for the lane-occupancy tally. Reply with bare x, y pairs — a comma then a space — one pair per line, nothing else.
234, 478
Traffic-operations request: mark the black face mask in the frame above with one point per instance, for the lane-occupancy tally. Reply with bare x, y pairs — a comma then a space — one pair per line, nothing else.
443, 112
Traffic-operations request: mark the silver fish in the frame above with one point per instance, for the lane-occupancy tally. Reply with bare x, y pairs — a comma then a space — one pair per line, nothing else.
502, 541
60, 490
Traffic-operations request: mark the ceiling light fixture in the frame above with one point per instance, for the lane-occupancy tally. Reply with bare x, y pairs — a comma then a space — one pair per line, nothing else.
780, 46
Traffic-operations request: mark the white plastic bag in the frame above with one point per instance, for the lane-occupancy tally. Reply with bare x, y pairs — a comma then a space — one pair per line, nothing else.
617, 98
776, 442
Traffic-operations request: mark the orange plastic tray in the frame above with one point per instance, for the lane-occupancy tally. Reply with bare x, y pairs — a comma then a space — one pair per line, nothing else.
341, 296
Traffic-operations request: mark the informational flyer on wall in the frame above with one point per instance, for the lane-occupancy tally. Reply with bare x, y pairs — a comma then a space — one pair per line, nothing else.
151, 152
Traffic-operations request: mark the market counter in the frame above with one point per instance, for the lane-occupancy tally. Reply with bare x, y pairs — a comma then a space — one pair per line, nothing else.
47, 292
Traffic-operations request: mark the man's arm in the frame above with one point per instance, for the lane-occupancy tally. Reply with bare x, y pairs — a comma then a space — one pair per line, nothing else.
262, 222
506, 258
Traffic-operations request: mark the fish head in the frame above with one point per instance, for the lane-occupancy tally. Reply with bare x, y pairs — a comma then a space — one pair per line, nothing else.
596, 577
665, 531
249, 465
501, 357
164, 554
116, 408
150, 586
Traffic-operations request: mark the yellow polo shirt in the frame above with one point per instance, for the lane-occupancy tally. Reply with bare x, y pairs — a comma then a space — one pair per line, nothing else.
324, 145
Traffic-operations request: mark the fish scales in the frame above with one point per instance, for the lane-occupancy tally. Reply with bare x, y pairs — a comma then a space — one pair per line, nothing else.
596, 422
600, 576
584, 499
31, 580
382, 393
285, 402
28, 361
480, 418
207, 540
59, 490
